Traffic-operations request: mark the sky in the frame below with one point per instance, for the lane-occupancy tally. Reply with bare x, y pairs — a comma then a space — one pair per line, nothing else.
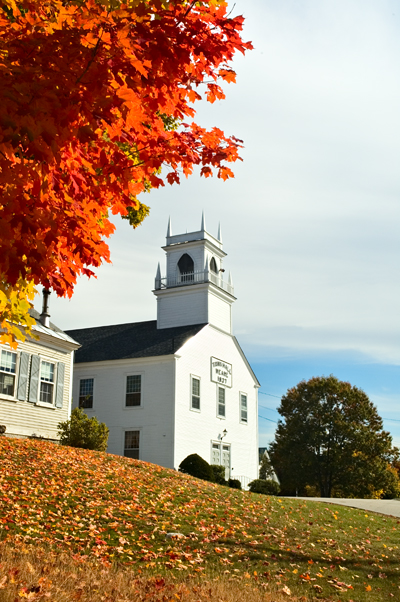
311, 220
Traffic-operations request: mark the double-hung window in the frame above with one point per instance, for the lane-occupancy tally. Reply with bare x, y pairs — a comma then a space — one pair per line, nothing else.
131, 445
243, 408
8, 365
86, 386
133, 390
195, 403
221, 402
46, 389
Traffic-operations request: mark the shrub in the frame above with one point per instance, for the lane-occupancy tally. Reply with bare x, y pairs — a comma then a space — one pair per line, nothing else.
313, 491
196, 467
265, 487
392, 486
219, 474
235, 484
81, 431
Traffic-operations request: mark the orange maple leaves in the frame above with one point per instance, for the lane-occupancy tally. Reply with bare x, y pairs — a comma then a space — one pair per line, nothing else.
93, 105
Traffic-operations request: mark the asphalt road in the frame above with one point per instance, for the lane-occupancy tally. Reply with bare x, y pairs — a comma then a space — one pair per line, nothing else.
389, 507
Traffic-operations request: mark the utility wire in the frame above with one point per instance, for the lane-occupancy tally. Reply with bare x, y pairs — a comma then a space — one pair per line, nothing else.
269, 419
270, 395
265, 408
275, 410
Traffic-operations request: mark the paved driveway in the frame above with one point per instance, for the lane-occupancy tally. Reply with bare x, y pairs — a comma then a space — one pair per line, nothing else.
390, 507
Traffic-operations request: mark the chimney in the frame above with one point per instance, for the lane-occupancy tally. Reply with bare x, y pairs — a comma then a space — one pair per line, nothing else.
45, 316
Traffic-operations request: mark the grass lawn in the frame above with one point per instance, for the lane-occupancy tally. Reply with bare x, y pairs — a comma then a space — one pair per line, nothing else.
113, 512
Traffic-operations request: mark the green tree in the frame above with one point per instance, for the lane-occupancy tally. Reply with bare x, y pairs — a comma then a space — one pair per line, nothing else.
331, 437
81, 431
266, 469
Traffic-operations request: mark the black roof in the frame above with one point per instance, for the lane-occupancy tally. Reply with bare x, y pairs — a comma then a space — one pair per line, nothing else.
123, 341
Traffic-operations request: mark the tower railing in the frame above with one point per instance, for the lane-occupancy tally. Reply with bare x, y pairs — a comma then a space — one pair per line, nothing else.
188, 278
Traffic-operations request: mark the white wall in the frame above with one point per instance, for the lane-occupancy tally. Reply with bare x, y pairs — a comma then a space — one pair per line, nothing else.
219, 312
182, 306
194, 304
155, 417
196, 430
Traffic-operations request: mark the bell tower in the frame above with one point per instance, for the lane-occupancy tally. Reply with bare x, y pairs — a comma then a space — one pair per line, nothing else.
194, 291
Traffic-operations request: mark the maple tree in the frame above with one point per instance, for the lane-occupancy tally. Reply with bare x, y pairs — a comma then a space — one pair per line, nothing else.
97, 107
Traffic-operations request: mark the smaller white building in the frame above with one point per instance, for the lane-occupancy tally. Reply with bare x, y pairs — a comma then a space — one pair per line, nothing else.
36, 381
179, 384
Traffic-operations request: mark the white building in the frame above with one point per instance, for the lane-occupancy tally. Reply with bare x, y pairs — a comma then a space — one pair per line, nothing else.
36, 381
179, 384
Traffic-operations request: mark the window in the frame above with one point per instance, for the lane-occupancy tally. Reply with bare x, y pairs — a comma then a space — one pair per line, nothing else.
186, 268
195, 393
86, 393
8, 363
133, 390
243, 407
221, 402
46, 390
213, 266
131, 448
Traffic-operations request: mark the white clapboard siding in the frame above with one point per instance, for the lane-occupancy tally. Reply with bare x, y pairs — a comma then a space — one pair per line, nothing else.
23, 418
154, 418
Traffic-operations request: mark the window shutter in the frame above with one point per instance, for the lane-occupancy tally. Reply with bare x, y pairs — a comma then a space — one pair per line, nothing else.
23, 376
60, 384
34, 381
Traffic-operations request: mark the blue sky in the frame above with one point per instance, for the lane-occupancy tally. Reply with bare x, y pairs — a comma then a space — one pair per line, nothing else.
310, 222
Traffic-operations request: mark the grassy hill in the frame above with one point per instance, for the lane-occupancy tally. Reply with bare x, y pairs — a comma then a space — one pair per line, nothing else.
114, 510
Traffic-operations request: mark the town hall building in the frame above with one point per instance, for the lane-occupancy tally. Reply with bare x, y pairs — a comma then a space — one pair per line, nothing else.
179, 384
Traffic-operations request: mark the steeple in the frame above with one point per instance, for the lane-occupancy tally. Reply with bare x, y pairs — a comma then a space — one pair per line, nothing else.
193, 290
219, 233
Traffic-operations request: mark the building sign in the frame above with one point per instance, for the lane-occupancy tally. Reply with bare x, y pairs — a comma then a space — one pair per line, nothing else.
221, 372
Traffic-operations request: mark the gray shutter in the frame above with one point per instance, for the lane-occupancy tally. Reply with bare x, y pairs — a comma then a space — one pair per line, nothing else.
60, 385
34, 381
22, 389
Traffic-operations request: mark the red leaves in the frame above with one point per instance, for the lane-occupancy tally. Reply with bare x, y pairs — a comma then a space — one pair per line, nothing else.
87, 99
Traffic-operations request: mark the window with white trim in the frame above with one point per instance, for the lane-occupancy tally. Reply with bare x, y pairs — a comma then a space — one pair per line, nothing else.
86, 386
221, 402
46, 388
8, 370
243, 408
195, 403
131, 445
133, 390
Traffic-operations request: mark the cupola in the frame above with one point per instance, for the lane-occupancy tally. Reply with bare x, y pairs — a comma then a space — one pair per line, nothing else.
193, 290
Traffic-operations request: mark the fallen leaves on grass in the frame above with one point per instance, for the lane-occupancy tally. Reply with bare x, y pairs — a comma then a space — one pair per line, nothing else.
36, 574
117, 510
